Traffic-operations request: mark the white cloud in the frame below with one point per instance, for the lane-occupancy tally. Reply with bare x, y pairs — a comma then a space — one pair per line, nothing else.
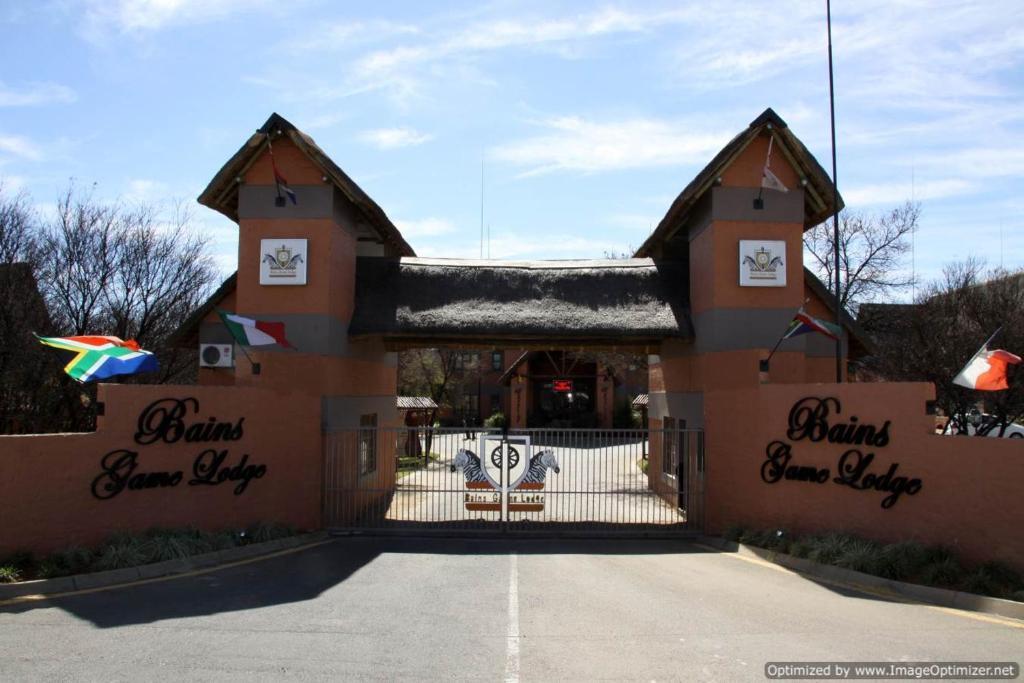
36, 94
403, 70
514, 245
894, 193
12, 184
137, 17
576, 144
983, 162
20, 147
637, 223
344, 34
393, 138
426, 227
146, 191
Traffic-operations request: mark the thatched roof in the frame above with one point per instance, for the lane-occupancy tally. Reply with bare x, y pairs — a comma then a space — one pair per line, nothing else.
437, 301
222, 192
818, 189
415, 403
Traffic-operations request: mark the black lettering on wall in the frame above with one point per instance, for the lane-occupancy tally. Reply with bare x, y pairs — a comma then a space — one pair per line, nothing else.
167, 421
817, 419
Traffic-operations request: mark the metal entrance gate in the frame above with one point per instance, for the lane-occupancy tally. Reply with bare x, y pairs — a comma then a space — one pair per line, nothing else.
559, 481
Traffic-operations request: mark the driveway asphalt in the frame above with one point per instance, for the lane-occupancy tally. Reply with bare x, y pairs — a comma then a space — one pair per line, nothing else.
429, 609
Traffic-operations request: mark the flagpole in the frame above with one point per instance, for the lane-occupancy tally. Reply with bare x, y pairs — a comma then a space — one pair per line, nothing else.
764, 364
835, 195
979, 351
255, 366
279, 200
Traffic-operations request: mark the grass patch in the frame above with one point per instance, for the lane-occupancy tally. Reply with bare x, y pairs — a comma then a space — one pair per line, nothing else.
122, 550
407, 464
415, 462
910, 561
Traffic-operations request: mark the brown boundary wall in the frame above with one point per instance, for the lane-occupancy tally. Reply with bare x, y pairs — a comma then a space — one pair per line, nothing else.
970, 488
47, 481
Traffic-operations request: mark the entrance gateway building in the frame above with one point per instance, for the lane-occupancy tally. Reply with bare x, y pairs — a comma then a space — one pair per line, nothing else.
706, 296
314, 439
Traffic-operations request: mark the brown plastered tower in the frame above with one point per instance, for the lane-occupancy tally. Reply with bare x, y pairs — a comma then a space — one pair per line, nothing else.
738, 316
339, 223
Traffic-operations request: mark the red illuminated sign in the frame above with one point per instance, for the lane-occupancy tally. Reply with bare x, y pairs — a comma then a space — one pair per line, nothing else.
562, 385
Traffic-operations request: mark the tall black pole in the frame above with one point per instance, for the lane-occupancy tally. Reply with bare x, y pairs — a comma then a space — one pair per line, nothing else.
835, 196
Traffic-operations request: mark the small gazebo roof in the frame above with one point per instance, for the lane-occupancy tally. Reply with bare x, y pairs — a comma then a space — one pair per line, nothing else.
416, 403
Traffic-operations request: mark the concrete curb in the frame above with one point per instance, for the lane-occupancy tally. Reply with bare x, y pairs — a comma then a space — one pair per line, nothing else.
907, 591
67, 584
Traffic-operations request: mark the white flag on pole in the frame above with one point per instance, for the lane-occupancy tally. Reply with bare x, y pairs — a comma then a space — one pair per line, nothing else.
769, 179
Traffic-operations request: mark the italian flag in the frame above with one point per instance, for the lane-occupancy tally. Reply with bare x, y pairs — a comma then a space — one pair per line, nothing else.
249, 332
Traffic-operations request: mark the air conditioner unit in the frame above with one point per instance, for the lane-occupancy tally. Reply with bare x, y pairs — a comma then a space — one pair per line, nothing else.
216, 356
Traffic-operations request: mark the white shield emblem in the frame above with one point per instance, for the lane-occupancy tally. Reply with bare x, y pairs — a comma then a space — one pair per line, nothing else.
504, 461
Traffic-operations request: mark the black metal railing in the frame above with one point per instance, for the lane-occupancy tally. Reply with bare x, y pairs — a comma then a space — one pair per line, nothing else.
631, 481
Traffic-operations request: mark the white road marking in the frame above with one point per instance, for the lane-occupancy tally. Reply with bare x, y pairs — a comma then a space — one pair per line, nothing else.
512, 647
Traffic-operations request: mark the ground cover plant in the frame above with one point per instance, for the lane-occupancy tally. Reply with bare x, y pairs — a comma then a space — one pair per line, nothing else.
407, 464
122, 550
909, 561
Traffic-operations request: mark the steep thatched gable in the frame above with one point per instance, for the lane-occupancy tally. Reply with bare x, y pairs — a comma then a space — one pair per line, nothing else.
817, 184
222, 192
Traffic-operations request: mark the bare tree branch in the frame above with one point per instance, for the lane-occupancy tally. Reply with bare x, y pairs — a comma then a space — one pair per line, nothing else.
872, 250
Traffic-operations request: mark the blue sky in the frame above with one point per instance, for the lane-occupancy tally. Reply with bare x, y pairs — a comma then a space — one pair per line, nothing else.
587, 118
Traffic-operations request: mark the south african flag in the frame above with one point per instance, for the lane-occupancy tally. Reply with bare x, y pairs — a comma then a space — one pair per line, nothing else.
803, 323
99, 357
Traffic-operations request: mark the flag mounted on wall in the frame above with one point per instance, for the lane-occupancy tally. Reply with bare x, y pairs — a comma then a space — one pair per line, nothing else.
768, 179
249, 332
100, 357
279, 181
803, 323
986, 370
282, 186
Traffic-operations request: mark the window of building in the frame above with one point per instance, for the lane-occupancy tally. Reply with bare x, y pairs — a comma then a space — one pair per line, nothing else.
368, 444
471, 404
495, 403
497, 362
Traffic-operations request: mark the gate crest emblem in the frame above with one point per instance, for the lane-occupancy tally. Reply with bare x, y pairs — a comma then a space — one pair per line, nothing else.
508, 478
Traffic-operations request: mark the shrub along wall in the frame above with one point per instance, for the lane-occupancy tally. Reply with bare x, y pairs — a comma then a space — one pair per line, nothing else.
861, 458
169, 456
